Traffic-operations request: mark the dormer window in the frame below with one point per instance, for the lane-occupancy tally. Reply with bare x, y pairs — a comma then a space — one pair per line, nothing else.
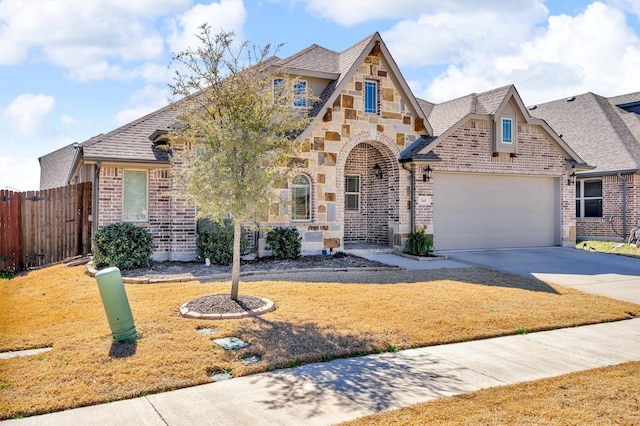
505, 138
507, 130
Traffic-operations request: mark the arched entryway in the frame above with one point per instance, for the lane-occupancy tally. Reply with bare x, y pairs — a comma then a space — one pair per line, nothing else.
370, 181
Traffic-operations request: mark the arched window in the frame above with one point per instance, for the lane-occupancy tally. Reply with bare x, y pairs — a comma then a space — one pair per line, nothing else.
301, 198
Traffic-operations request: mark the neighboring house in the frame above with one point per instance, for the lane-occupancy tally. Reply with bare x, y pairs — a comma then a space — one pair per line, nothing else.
376, 163
55, 166
605, 132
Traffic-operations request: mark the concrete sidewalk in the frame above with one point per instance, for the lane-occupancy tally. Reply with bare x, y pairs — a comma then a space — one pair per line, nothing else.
327, 393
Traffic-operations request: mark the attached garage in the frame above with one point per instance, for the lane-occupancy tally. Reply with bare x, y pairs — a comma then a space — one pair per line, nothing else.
473, 211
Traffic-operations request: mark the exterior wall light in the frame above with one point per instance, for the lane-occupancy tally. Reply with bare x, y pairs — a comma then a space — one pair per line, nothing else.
426, 173
378, 171
572, 178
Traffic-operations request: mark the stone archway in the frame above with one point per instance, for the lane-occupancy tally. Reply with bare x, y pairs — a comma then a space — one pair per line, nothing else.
376, 219
366, 216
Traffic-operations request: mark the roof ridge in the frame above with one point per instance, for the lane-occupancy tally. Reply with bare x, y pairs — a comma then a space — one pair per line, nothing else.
304, 51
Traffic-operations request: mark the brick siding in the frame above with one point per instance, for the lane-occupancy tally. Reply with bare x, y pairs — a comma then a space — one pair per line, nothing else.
610, 225
170, 219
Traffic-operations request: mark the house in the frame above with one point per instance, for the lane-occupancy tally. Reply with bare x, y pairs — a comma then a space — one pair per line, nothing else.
605, 132
376, 163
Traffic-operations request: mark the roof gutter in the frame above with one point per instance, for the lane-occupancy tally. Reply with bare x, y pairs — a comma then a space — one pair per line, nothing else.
582, 175
124, 161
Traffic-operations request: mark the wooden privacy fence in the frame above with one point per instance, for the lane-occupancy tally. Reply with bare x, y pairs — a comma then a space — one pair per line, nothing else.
42, 227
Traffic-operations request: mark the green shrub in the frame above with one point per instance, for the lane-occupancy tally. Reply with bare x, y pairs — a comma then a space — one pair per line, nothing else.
419, 244
215, 242
284, 243
123, 245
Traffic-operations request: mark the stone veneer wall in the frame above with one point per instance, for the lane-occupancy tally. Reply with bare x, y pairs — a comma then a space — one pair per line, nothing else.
324, 155
610, 226
469, 150
170, 220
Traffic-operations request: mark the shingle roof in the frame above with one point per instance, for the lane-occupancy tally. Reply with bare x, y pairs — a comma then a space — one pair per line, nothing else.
443, 116
131, 141
602, 134
313, 58
54, 167
625, 99
412, 152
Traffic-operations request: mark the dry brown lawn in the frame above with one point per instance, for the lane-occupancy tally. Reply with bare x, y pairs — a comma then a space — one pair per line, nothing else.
319, 317
604, 396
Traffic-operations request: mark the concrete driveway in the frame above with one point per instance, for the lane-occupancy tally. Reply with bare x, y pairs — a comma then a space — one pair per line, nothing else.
608, 275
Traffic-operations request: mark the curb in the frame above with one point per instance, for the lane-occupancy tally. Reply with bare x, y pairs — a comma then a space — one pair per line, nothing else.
268, 307
91, 271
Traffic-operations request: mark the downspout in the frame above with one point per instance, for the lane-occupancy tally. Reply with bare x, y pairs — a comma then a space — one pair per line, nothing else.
96, 194
413, 197
624, 206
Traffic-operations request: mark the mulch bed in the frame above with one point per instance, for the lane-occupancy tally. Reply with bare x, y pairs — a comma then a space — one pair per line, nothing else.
222, 303
160, 270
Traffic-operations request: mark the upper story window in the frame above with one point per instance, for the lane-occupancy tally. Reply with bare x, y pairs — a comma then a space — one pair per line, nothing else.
507, 130
301, 198
300, 94
278, 90
371, 97
352, 193
135, 196
589, 198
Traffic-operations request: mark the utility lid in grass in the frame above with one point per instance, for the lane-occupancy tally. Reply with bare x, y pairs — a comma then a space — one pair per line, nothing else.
251, 360
207, 331
231, 343
220, 377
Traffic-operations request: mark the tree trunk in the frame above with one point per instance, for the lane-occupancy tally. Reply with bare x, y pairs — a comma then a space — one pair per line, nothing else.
235, 270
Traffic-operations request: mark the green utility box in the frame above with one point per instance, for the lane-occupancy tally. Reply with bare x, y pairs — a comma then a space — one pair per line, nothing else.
116, 305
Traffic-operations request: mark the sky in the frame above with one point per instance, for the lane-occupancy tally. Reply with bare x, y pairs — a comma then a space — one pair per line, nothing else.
72, 69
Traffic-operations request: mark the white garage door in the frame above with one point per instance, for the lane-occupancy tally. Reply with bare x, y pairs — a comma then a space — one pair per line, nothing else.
492, 211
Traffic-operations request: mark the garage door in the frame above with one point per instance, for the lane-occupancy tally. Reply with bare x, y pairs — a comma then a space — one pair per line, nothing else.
492, 211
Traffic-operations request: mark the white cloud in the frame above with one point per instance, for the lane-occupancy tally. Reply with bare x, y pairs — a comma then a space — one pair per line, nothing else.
593, 51
83, 36
19, 173
352, 12
26, 113
144, 101
68, 120
228, 15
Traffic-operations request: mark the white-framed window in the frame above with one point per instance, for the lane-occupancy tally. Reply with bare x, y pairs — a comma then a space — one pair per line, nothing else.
135, 197
588, 198
507, 130
300, 93
352, 193
301, 198
371, 97
278, 90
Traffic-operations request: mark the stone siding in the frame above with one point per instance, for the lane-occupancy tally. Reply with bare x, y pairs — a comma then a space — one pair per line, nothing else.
350, 141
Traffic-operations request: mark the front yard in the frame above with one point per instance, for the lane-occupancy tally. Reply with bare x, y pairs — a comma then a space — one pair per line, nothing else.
320, 316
